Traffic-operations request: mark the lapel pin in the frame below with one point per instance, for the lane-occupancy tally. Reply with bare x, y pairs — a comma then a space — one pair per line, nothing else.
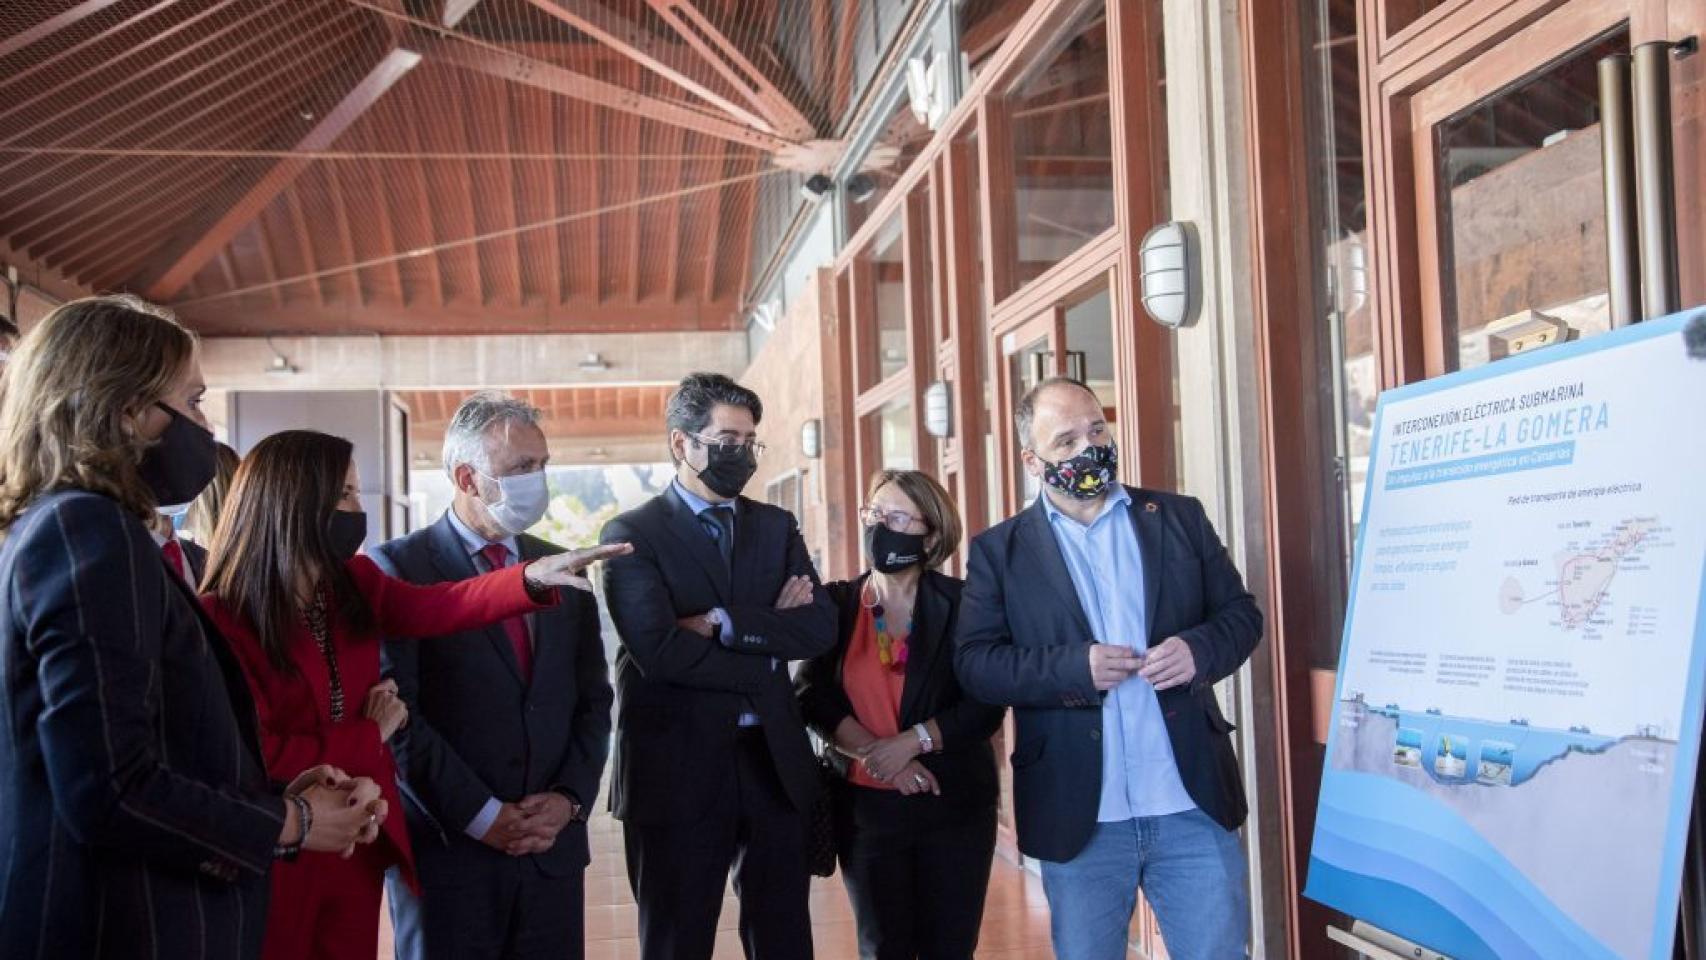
1150, 507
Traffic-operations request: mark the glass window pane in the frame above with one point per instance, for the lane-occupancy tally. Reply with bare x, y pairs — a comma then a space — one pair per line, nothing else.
885, 343
1026, 367
1063, 147
1090, 344
902, 139
1523, 214
891, 430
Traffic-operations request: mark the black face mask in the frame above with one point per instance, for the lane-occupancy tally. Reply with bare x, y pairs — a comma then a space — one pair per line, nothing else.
181, 463
727, 469
892, 552
349, 531
1087, 475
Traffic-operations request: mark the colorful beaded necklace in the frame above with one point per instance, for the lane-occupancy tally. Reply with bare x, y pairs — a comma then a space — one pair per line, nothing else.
891, 652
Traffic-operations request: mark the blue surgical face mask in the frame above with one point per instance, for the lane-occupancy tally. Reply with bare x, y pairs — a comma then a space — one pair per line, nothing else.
522, 501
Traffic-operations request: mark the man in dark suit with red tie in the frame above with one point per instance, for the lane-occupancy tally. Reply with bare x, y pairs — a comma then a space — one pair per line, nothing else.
713, 768
509, 726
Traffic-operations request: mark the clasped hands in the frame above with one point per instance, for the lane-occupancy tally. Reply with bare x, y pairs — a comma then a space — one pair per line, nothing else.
1169, 664
894, 760
531, 824
797, 592
346, 811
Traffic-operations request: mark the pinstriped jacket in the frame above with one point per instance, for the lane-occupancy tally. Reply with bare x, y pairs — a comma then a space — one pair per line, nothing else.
135, 817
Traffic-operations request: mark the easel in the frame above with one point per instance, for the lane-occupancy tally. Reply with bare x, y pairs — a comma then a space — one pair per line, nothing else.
1376, 944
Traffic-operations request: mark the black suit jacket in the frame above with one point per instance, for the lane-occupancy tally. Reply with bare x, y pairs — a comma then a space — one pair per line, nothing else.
964, 767
475, 730
1024, 639
135, 814
680, 694
195, 560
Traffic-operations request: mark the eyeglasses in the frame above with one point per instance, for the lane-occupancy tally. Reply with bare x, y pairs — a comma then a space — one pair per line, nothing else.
756, 447
896, 520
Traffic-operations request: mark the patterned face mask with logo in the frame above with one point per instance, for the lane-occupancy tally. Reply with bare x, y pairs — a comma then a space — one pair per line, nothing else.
1085, 475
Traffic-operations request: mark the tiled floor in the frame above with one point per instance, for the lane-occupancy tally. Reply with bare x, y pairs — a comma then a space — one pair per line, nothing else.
1015, 920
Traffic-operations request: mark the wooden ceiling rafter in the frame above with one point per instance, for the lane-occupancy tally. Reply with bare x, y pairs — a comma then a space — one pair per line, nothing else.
162, 279
425, 231
52, 25
498, 62
756, 78
169, 121
346, 237
634, 41
538, 129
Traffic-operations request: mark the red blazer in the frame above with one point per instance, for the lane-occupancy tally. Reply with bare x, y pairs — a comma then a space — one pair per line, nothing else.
297, 731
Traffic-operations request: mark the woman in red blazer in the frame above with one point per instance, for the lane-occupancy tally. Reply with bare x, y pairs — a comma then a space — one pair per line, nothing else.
305, 615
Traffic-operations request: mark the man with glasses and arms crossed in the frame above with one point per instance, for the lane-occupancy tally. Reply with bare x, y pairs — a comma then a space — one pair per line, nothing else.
713, 769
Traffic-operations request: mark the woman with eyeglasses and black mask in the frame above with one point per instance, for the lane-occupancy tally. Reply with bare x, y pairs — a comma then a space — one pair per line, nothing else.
916, 819
306, 615
136, 817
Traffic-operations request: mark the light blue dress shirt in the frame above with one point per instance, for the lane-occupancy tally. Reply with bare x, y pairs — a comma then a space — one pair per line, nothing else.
474, 543
699, 505
1139, 775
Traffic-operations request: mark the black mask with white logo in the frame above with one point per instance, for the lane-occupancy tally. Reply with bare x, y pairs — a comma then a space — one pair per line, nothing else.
892, 552
727, 468
348, 532
181, 463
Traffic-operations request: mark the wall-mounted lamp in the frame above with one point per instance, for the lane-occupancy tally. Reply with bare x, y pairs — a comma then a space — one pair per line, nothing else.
811, 439
593, 363
938, 410
280, 364
1170, 283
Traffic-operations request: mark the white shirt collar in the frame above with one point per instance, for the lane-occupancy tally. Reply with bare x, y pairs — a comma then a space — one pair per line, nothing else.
473, 542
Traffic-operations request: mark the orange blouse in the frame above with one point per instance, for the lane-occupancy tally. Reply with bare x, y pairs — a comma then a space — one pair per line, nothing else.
873, 689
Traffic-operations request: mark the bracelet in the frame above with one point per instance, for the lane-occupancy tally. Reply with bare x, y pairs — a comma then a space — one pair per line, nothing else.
305, 816
926, 742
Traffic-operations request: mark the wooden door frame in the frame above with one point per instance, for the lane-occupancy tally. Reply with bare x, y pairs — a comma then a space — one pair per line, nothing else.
1300, 522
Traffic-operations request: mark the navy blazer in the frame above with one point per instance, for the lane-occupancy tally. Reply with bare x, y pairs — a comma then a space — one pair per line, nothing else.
476, 731
1024, 641
964, 764
680, 693
136, 818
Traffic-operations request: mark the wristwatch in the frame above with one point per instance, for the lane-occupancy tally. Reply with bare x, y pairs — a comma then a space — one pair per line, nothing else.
926, 743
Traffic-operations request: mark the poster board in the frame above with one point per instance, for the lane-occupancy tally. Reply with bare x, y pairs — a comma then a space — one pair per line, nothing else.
1517, 715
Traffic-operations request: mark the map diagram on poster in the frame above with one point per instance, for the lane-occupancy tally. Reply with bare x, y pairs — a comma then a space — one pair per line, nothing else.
1516, 724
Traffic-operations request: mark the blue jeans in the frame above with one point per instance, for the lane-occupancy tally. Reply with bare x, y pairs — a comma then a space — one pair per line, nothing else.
1189, 868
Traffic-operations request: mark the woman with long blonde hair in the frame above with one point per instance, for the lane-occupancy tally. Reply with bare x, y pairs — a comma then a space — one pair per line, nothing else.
136, 817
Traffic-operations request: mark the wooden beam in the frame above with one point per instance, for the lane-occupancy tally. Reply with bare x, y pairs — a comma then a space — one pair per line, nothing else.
52, 25
428, 231
758, 84
346, 238
544, 76
161, 116
634, 41
536, 125
162, 281
451, 12
305, 246
719, 209
846, 34
579, 315
985, 36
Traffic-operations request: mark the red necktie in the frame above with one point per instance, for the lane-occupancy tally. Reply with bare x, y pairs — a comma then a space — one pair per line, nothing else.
174, 552
497, 556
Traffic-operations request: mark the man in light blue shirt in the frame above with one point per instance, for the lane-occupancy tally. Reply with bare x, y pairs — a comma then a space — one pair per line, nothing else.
1105, 614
